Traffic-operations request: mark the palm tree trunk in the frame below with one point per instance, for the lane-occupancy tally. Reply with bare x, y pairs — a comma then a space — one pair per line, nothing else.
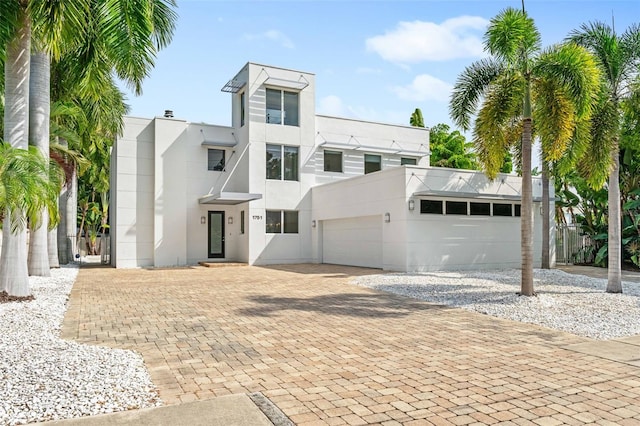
614, 282
52, 248
61, 231
526, 219
39, 114
546, 226
14, 278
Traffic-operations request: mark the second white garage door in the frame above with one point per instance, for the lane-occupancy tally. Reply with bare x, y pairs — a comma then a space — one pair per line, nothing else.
354, 241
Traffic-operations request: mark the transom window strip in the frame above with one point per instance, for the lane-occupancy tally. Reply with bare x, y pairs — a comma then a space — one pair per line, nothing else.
465, 208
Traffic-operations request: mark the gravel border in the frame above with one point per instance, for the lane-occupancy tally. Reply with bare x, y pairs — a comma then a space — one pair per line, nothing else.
43, 377
572, 303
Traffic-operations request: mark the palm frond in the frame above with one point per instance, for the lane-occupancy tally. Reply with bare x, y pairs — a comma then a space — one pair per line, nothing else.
58, 23
605, 123
164, 17
470, 88
512, 36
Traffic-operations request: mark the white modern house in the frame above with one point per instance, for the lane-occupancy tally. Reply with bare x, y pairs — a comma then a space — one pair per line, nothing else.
284, 185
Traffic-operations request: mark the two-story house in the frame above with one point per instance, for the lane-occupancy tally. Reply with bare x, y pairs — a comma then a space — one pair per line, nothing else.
284, 185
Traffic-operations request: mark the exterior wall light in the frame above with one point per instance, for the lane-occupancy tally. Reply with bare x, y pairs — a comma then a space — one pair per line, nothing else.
412, 205
387, 217
313, 223
230, 220
203, 220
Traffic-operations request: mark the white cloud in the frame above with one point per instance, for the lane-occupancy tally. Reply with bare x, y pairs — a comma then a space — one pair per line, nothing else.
424, 87
418, 41
272, 35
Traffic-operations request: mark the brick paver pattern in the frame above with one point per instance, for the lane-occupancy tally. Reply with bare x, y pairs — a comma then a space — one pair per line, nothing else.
328, 352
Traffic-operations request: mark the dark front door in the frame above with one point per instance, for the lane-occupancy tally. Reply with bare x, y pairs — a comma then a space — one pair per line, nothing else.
216, 234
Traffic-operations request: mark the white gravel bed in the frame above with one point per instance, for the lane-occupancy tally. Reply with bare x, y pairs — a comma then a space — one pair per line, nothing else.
43, 377
573, 303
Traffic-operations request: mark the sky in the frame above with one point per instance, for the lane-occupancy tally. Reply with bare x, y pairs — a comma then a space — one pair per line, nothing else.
373, 60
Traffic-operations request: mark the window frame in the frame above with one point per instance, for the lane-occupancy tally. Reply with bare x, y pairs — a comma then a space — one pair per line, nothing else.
365, 163
281, 224
284, 107
217, 167
408, 161
242, 109
332, 152
291, 174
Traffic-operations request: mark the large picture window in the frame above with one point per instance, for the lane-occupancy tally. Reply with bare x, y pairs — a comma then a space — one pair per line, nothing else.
215, 159
282, 107
282, 162
372, 163
281, 221
332, 161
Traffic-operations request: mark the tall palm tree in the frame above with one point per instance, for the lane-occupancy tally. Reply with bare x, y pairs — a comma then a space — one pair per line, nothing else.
118, 36
619, 58
518, 84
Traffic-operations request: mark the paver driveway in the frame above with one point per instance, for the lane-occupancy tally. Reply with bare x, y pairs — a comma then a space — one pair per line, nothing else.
326, 352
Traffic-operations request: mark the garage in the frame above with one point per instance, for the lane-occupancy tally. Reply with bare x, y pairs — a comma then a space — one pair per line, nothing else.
354, 241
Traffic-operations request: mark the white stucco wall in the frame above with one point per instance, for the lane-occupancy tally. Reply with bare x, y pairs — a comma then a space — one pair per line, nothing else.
132, 224
426, 242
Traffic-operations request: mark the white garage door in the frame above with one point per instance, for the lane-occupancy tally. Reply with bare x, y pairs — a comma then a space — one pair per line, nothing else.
355, 241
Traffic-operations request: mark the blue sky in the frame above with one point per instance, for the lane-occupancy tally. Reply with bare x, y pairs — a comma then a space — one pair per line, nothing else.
373, 60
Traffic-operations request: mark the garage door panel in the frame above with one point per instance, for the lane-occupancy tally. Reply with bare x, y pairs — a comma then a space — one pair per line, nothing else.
353, 241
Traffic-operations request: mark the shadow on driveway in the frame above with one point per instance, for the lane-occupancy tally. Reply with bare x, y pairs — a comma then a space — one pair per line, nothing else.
378, 305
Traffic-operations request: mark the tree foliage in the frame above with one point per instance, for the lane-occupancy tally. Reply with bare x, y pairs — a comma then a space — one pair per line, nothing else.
519, 92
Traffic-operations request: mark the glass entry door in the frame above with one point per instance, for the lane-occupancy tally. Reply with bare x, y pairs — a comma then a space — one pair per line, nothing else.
216, 234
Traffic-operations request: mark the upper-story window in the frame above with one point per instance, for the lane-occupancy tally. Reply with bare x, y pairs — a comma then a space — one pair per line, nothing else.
242, 100
406, 161
282, 107
372, 163
282, 162
215, 159
332, 161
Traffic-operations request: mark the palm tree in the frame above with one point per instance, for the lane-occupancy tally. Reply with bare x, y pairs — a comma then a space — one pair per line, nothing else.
416, 119
520, 83
26, 188
618, 57
117, 36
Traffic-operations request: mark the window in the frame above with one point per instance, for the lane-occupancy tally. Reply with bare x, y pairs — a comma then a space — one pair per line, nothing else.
517, 210
404, 161
215, 159
242, 221
275, 169
290, 222
332, 161
479, 209
242, 109
431, 206
276, 219
500, 209
457, 207
372, 163
282, 107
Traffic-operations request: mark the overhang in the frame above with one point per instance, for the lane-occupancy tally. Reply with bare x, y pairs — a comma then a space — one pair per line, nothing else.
228, 198
476, 195
219, 143
233, 86
287, 84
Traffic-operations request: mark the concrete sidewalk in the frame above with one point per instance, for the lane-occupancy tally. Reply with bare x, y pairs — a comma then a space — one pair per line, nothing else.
230, 410
595, 272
